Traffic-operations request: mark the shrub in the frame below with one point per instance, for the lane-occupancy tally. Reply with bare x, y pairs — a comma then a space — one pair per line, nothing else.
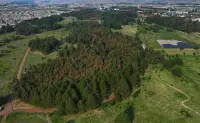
169, 30
170, 63
177, 71
125, 117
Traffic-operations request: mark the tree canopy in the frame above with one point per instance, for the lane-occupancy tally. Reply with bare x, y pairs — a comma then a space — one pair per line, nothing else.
177, 23
94, 63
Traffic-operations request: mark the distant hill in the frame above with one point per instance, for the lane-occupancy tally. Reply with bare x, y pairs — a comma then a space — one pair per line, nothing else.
22, 2
85, 1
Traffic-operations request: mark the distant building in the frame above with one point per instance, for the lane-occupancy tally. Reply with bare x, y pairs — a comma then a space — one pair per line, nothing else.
145, 15
196, 19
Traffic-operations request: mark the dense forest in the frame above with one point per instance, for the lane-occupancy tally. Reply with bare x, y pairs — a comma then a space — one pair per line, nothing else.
47, 23
25, 28
44, 45
6, 29
33, 26
85, 14
94, 64
177, 23
111, 19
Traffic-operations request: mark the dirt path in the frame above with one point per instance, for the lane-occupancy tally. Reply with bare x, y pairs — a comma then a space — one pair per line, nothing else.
9, 106
22, 63
184, 101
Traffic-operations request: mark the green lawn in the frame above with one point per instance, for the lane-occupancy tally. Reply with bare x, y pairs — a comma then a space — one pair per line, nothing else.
25, 118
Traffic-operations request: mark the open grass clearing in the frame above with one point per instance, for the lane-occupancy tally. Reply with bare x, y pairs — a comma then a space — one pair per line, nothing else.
67, 20
106, 115
151, 38
3, 36
177, 51
129, 30
71, 19
36, 57
158, 102
4, 66
25, 118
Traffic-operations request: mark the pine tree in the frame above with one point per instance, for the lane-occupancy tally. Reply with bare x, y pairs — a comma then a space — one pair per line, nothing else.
61, 109
58, 98
123, 88
75, 95
70, 106
81, 106
92, 102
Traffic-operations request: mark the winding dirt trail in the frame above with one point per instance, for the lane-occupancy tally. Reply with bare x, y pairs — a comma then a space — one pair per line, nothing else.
184, 101
22, 63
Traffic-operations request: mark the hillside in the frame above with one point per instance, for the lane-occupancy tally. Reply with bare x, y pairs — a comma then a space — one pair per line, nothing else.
81, 77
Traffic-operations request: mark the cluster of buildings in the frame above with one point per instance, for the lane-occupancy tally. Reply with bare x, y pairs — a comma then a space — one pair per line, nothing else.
14, 13
13, 17
170, 10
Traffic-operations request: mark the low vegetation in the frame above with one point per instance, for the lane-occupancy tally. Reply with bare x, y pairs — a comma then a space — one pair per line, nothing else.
25, 118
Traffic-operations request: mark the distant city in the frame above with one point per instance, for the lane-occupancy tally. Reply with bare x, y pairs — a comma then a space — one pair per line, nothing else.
14, 13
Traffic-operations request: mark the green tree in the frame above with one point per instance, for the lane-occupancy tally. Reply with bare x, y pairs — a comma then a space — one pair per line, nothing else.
177, 71
123, 88
125, 117
70, 106
61, 109
81, 106
92, 102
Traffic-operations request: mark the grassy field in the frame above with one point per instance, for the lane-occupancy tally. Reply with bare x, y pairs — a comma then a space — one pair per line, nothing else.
67, 20
11, 60
70, 19
151, 37
37, 58
157, 102
25, 118
176, 51
106, 115
129, 30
